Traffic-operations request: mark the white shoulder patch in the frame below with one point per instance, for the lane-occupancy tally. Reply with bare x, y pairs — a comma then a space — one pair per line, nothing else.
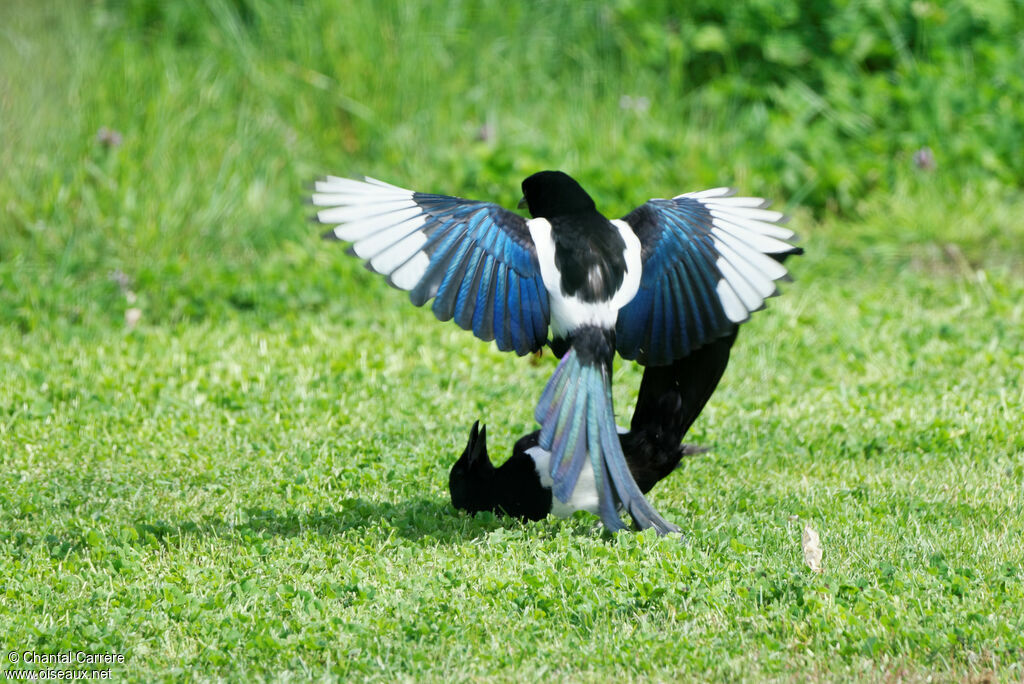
540, 231
633, 254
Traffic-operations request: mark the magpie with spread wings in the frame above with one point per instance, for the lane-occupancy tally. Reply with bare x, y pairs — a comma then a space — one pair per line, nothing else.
669, 277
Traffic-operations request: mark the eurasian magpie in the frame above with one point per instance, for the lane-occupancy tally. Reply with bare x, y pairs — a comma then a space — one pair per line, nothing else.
667, 278
670, 399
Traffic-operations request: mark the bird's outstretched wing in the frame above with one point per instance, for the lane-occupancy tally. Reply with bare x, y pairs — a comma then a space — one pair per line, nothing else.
709, 260
476, 260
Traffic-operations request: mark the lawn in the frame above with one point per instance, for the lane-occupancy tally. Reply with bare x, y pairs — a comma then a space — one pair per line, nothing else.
224, 445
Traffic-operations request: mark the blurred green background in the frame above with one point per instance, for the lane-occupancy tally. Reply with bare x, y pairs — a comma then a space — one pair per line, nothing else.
224, 110
224, 444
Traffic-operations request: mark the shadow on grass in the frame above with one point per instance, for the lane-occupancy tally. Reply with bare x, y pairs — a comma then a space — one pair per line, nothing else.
412, 519
416, 519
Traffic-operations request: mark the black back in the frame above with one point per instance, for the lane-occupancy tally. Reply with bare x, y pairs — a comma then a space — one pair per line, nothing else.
588, 248
590, 256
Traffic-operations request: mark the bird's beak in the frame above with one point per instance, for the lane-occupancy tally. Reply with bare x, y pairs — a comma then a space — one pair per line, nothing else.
522, 204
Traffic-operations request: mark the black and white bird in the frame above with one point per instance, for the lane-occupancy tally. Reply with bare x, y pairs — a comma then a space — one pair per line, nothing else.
667, 278
669, 400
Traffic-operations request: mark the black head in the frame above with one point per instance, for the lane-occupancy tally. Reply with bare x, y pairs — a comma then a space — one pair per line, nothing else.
470, 477
553, 193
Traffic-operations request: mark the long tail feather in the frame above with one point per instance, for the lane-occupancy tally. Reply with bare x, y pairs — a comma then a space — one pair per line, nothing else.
559, 412
578, 424
606, 497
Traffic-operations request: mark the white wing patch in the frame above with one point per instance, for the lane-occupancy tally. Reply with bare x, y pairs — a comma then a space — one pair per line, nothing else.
713, 192
382, 222
744, 232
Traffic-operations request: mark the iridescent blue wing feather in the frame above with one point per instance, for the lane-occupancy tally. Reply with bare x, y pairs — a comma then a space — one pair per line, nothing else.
709, 260
474, 259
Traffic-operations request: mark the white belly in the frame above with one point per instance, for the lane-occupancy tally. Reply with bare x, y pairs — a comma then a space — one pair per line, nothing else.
584, 497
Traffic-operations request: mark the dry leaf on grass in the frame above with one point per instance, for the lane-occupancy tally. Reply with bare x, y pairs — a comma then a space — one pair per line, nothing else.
812, 548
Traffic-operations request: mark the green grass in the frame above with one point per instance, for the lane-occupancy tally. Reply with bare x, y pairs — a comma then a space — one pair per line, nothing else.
251, 482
